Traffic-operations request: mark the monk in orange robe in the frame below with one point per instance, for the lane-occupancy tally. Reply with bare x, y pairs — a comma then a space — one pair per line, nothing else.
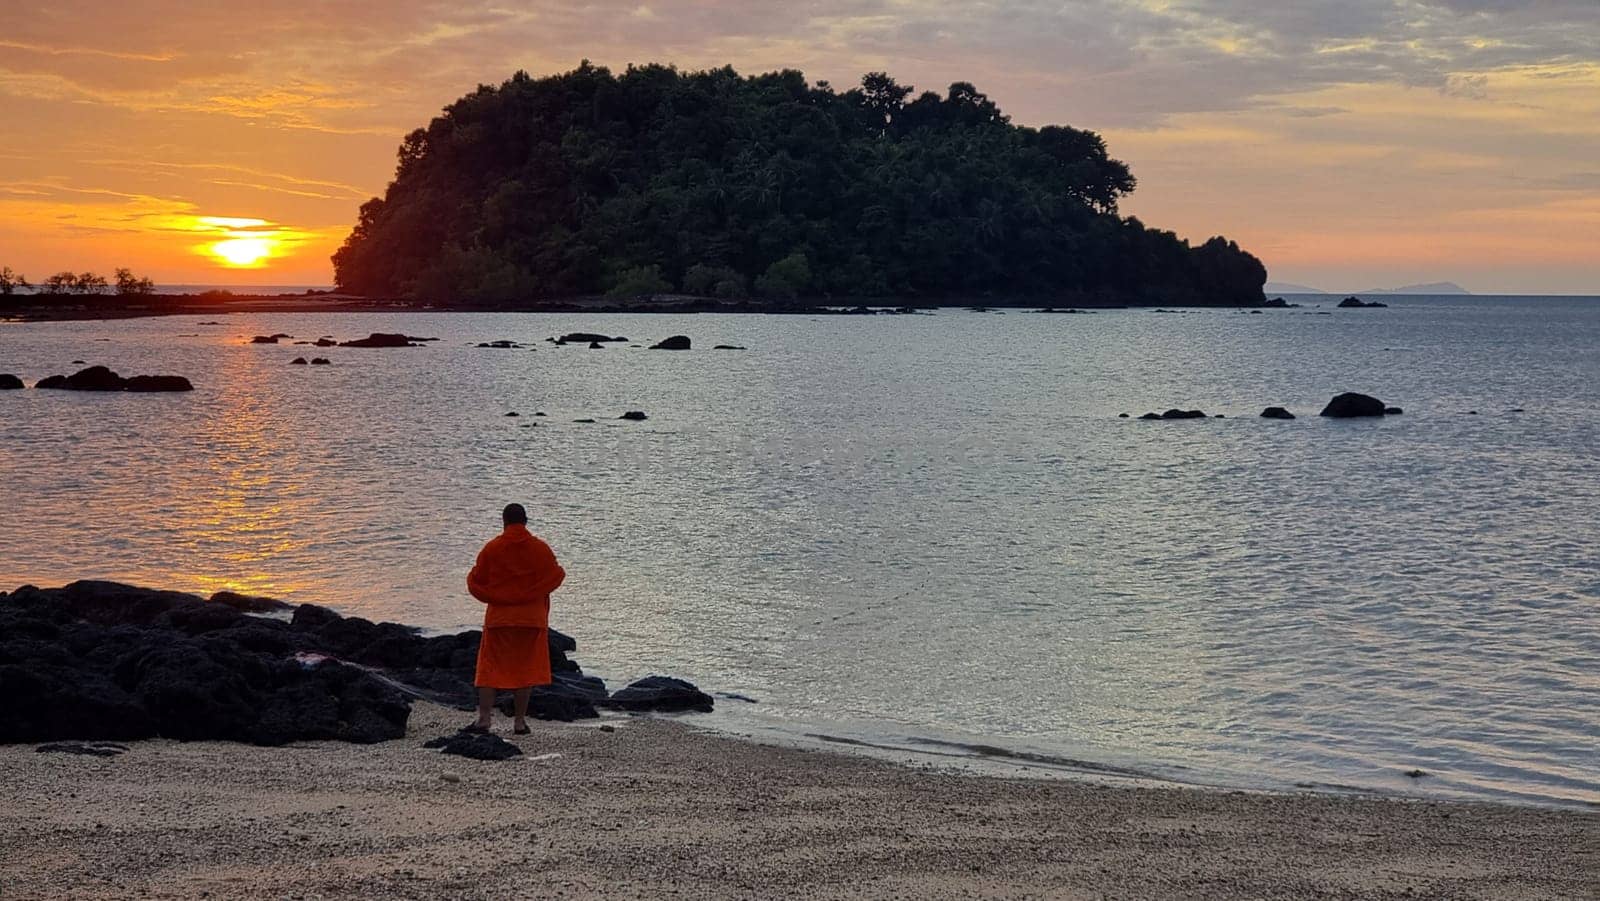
514, 576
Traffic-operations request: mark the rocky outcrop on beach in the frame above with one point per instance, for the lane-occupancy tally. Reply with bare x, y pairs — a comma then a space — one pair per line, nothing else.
9, 382
1351, 405
106, 661
99, 378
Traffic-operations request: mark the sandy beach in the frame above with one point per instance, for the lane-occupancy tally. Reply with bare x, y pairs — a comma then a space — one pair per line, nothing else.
654, 807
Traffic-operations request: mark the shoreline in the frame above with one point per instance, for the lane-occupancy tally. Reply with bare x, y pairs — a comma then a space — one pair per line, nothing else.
657, 806
110, 307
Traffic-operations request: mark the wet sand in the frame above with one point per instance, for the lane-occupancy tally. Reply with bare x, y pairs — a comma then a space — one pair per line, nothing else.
657, 809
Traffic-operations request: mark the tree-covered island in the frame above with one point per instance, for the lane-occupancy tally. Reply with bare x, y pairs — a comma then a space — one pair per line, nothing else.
769, 187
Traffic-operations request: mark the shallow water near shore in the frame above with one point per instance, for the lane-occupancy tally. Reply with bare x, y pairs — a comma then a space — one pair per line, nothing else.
897, 530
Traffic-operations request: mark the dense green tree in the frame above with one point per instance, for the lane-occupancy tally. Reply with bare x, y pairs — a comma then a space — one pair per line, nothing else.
713, 183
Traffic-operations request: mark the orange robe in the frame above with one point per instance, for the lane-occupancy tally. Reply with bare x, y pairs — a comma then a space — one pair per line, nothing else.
514, 576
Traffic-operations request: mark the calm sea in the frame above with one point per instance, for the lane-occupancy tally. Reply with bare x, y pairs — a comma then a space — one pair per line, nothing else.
924, 532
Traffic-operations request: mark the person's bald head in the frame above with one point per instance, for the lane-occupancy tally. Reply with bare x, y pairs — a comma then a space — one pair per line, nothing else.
514, 515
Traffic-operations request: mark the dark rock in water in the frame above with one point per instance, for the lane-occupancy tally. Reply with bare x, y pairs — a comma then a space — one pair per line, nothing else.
584, 338
732, 696
1276, 413
1184, 414
147, 383
1512, 410
728, 347
596, 345
583, 420
245, 603
325, 342
1151, 416
85, 748
264, 339
77, 362
513, 413
1353, 303
1416, 774
298, 361
95, 378
321, 361
1392, 411
539, 413
1350, 405
10, 382
502, 344
635, 415
676, 342
661, 693
383, 339
1276, 302
1122, 416
99, 378
475, 745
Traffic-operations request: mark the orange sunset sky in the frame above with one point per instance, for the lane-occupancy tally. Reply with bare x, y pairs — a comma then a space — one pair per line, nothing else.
1349, 143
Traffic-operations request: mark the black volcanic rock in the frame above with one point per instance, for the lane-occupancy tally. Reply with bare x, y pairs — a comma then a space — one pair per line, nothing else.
635, 415
1356, 303
501, 344
676, 342
10, 382
106, 661
264, 339
1184, 414
245, 603
147, 383
298, 361
585, 338
1276, 413
1392, 411
1151, 416
661, 693
99, 378
475, 745
1350, 405
95, 378
728, 347
325, 342
384, 339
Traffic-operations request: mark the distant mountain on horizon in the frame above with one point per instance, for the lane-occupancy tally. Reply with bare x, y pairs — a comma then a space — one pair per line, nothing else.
1290, 288
1431, 288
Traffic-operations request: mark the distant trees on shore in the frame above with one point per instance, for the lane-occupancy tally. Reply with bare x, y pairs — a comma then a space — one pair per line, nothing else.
123, 283
714, 184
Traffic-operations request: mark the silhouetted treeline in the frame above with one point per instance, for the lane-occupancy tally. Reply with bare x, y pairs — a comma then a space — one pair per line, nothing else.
125, 284
719, 185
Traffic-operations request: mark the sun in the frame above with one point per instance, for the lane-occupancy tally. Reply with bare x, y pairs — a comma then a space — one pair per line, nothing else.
238, 242
243, 252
